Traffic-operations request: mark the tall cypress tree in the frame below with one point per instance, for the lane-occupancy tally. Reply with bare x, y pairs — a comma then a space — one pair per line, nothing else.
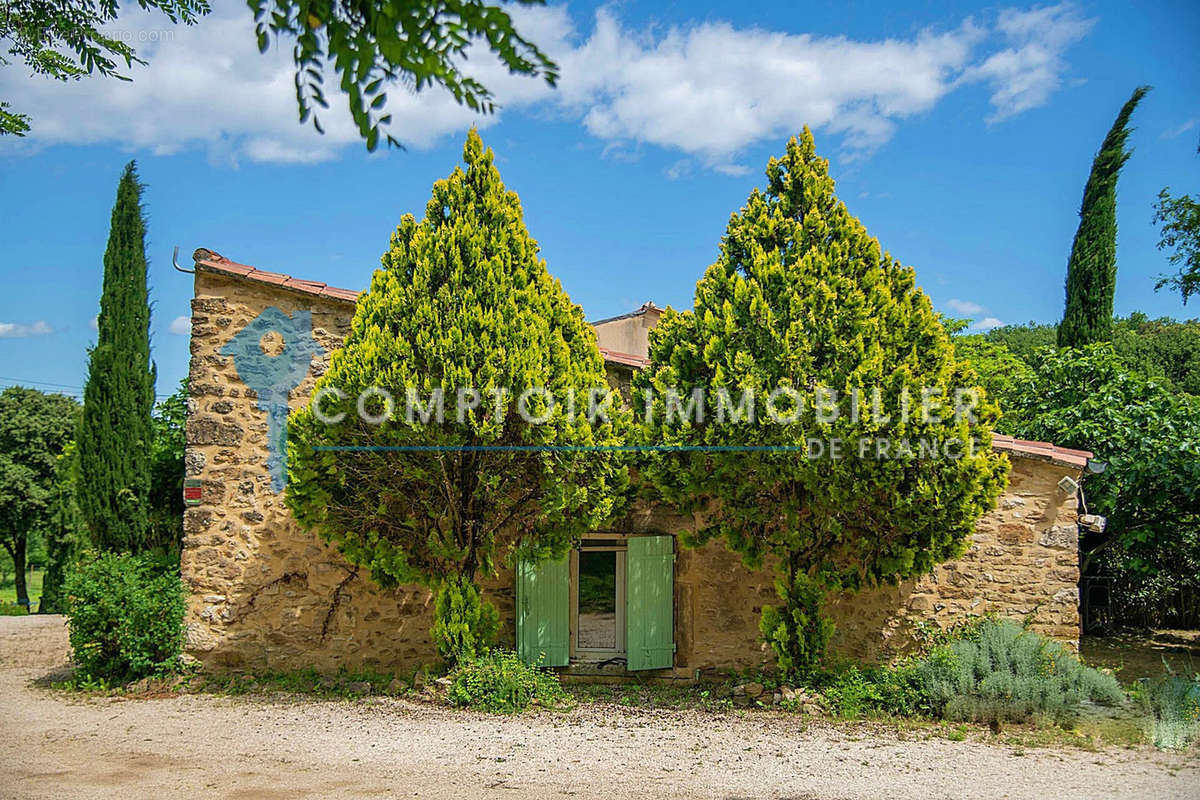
116, 433
1092, 269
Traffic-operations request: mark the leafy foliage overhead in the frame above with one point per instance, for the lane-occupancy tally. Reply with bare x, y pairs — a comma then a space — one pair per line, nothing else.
802, 297
371, 44
367, 45
62, 39
1092, 269
463, 302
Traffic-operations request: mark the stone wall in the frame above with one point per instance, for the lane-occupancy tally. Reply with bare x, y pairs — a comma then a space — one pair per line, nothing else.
267, 595
1022, 563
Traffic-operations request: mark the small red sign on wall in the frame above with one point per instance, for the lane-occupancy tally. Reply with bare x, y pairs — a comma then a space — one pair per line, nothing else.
192, 491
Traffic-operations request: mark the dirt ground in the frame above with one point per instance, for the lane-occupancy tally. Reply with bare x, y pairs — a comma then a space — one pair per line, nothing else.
1145, 655
203, 746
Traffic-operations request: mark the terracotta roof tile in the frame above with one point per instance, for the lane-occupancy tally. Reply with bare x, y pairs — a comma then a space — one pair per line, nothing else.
305, 286
1042, 450
341, 294
277, 278
628, 359
215, 262
236, 269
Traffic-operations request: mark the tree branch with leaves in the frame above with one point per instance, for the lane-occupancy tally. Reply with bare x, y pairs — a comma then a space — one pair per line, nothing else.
367, 46
65, 40
1178, 218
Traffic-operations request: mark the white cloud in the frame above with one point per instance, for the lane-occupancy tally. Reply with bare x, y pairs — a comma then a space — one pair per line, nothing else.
964, 307
711, 90
706, 91
1024, 74
680, 169
1179, 130
17, 330
181, 326
986, 324
972, 310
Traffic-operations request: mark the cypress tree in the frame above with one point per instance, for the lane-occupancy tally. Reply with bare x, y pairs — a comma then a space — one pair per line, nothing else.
803, 302
116, 433
463, 304
1092, 268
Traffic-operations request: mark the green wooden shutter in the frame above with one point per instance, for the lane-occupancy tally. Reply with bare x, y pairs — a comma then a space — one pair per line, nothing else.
650, 602
543, 607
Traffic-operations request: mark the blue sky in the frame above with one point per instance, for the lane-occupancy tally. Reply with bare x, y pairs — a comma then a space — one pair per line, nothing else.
961, 135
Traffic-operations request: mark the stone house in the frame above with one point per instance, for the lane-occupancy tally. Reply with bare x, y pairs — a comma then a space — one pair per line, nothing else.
266, 594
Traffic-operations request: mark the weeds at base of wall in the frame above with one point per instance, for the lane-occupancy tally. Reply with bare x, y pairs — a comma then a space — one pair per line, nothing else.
499, 682
895, 700
710, 697
86, 684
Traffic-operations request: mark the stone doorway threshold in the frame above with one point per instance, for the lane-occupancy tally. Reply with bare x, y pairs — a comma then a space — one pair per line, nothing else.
595, 665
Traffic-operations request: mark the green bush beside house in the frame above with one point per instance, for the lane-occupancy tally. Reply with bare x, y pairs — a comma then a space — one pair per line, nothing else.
126, 617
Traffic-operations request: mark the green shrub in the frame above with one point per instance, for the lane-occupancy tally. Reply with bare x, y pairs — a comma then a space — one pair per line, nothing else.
499, 682
798, 631
1172, 705
929, 635
1008, 673
464, 624
857, 692
126, 617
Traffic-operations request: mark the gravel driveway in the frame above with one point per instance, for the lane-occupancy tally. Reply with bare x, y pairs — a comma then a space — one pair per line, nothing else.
202, 746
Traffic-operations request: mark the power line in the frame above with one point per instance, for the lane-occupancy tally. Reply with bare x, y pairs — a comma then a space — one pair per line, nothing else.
71, 389
40, 383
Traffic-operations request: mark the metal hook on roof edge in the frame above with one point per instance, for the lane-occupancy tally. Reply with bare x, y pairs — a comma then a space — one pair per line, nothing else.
175, 262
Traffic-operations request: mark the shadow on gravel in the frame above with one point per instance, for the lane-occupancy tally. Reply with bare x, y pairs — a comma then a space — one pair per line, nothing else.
57, 675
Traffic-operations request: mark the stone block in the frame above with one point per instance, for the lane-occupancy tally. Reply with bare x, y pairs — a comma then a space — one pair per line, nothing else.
1060, 537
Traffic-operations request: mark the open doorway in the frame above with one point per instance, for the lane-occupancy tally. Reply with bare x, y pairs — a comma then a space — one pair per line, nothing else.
598, 599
